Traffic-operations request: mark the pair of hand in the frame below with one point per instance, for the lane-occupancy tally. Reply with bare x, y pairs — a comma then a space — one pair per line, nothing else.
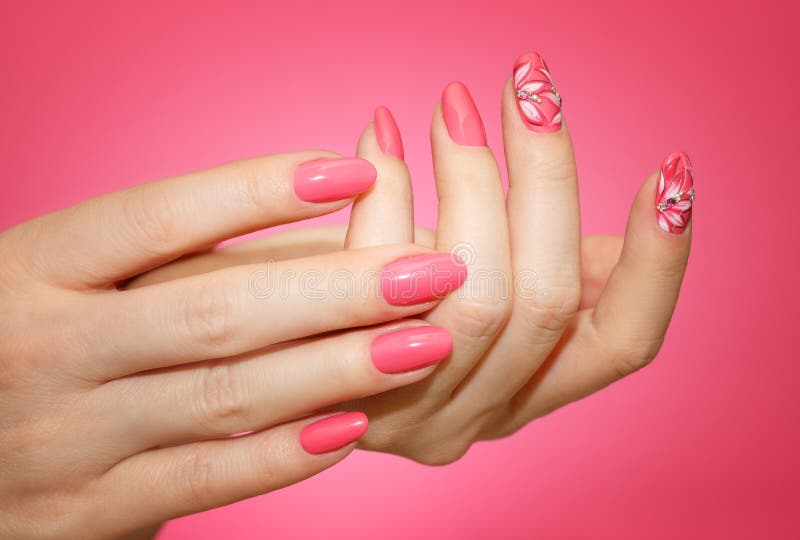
125, 373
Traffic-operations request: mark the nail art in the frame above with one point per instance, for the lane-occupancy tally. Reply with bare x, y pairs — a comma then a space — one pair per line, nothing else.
333, 179
422, 278
675, 193
410, 349
387, 133
537, 98
333, 432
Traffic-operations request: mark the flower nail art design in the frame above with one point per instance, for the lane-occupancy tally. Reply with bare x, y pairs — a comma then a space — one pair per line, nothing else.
538, 100
675, 193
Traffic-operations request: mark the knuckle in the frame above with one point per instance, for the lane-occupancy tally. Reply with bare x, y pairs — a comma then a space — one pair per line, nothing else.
437, 445
267, 462
196, 472
221, 405
630, 356
207, 314
442, 453
351, 371
152, 216
258, 187
481, 317
551, 309
559, 169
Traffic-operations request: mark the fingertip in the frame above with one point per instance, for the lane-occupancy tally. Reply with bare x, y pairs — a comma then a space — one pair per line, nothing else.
674, 193
538, 102
662, 209
461, 116
388, 133
333, 179
332, 433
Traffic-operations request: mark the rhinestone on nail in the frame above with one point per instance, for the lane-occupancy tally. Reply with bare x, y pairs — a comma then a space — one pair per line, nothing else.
528, 96
675, 199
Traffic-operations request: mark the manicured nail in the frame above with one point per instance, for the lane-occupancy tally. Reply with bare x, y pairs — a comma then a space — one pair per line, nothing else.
538, 100
411, 348
675, 193
422, 278
332, 179
461, 116
333, 432
388, 133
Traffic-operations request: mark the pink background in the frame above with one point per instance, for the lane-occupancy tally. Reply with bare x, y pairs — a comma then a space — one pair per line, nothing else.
703, 443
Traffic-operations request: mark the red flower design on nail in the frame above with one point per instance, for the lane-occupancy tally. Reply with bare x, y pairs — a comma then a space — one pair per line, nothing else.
538, 100
675, 193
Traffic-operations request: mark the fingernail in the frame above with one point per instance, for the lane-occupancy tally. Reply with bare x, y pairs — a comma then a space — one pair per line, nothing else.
332, 179
538, 100
461, 116
675, 193
422, 278
388, 133
411, 348
333, 432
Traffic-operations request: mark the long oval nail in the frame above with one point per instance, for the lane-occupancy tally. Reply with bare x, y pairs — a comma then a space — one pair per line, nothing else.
387, 133
538, 100
333, 432
675, 193
410, 348
461, 116
333, 179
422, 278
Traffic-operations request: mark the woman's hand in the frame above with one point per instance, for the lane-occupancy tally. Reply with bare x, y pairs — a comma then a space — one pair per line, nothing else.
527, 340
545, 317
116, 406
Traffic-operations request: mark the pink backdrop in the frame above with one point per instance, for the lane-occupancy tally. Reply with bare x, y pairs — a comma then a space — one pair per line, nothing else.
97, 97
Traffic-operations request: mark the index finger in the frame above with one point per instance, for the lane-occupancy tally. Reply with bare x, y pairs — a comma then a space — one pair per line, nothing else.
122, 234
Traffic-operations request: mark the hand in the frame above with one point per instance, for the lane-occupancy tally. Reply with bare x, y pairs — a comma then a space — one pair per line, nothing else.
116, 406
526, 340
575, 315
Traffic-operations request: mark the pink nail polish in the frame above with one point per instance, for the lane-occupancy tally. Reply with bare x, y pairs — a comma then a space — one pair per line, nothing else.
675, 193
422, 278
333, 432
538, 100
461, 116
388, 133
410, 348
333, 179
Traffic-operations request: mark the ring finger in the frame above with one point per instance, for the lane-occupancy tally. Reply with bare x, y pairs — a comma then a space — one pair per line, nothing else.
260, 389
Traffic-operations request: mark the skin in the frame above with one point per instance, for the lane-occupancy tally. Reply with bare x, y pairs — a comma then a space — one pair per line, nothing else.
604, 315
88, 358
89, 370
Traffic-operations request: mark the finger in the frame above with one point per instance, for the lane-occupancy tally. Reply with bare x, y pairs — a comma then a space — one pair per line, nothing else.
385, 213
270, 386
544, 222
244, 308
169, 482
599, 255
636, 306
472, 222
122, 234
292, 244
624, 332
